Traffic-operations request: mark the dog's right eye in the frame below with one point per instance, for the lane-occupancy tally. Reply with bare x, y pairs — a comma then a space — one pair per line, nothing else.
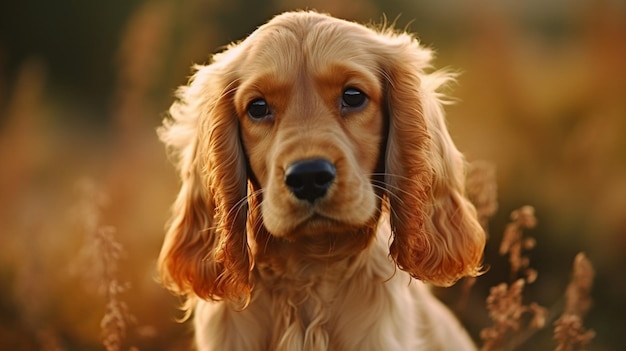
353, 98
258, 109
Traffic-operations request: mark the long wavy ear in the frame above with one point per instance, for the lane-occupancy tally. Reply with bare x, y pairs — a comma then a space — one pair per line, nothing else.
437, 237
205, 252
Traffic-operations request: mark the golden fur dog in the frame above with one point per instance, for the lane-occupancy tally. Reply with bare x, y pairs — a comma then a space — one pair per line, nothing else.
320, 187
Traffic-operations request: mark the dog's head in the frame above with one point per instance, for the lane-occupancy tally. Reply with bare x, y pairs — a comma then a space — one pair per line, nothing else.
314, 126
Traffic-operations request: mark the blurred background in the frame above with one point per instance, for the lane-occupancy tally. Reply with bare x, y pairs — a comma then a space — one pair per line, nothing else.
85, 186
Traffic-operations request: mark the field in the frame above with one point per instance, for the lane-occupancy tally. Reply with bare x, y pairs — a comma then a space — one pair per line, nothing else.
85, 186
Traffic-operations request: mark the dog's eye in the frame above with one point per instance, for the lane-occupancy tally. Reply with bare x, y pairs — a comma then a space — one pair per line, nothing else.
258, 109
353, 98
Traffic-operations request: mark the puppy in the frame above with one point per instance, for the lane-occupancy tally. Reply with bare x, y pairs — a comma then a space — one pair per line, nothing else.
320, 189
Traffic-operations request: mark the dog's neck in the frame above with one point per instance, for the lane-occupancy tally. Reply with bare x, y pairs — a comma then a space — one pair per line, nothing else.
314, 257
306, 275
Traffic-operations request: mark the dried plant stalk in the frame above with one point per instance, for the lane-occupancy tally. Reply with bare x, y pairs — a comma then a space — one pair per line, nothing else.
505, 302
98, 263
514, 243
569, 331
506, 309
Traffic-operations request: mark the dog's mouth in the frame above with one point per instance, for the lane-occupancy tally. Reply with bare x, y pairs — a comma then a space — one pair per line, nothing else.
318, 224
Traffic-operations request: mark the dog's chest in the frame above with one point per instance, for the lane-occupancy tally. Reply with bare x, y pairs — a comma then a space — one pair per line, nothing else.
303, 299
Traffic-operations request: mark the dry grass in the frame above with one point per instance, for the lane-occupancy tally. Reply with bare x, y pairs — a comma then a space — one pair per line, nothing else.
513, 321
505, 301
514, 243
98, 263
569, 331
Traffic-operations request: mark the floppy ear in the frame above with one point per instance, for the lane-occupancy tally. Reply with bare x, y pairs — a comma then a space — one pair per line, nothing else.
205, 252
437, 237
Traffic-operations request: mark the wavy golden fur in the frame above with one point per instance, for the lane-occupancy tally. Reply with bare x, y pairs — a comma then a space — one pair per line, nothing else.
270, 266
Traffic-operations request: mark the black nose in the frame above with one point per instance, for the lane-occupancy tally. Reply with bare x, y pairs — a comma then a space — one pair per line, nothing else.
310, 179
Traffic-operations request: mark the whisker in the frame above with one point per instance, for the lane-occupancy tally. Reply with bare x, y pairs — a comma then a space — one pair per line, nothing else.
391, 209
390, 192
236, 207
244, 200
239, 205
392, 175
387, 192
392, 187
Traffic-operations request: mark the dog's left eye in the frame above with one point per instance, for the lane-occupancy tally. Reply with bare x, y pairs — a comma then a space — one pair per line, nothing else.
258, 109
353, 98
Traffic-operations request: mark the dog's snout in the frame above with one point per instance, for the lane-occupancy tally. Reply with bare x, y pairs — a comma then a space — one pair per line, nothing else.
310, 179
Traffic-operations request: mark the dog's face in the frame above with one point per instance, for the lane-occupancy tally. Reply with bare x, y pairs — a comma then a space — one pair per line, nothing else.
312, 127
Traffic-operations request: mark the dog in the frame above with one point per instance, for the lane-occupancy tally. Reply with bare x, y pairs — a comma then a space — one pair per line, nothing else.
321, 192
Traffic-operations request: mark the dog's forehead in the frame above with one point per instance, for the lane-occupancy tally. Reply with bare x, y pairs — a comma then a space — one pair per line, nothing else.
295, 41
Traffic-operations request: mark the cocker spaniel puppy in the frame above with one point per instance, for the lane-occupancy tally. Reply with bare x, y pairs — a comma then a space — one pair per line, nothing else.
320, 189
